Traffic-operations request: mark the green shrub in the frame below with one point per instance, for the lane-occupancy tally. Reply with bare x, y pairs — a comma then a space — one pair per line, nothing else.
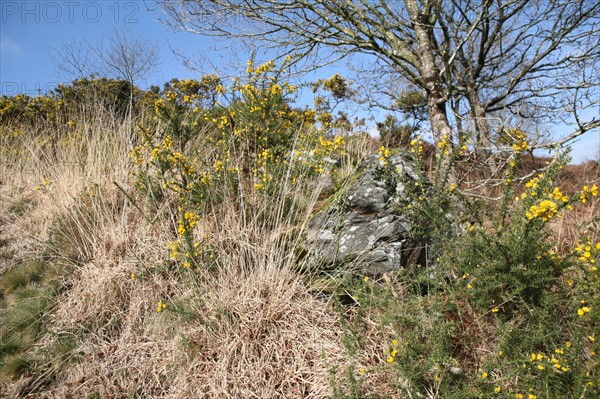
498, 312
393, 134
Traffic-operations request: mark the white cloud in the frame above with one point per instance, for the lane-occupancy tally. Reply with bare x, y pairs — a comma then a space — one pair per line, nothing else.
9, 47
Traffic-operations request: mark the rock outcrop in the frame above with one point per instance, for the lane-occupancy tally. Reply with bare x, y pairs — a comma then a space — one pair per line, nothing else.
363, 225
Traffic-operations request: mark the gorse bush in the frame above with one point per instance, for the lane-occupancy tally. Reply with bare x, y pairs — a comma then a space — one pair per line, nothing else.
82, 97
258, 148
498, 311
393, 134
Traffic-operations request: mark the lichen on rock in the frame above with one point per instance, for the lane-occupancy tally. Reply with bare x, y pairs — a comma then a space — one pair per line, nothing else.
365, 227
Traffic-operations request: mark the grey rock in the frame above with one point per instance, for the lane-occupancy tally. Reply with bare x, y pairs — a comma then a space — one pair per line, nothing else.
364, 226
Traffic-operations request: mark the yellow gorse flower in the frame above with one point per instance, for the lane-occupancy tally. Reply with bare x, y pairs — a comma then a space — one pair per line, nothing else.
586, 192
393, 351
558, 195
545, 210
384, 154
444, 145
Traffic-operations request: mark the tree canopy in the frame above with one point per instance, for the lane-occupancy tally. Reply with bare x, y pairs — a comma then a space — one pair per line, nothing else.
478, 63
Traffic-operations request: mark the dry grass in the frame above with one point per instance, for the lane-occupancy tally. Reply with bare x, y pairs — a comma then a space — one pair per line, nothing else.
584, 217
260, 336
247, 328
45, 173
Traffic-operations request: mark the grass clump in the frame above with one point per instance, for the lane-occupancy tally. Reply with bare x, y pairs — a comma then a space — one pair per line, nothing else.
29, 291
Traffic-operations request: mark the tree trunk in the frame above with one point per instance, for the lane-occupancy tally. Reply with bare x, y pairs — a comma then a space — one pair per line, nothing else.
482, 130
431, 80
430, 74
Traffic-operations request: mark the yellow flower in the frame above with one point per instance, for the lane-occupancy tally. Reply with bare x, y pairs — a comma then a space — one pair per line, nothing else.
558, 195
583, 310
442, 144
383, 153
593, 191
276, 89
522, 146
545, 210
495, 310
537, 357
484, 374
497, 389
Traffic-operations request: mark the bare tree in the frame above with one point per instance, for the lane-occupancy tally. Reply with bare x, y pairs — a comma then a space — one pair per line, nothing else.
127, 57
130, 59
473, 60
118, 56
74, 60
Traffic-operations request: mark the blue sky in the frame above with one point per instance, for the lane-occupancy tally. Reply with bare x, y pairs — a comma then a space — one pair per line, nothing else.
29, 29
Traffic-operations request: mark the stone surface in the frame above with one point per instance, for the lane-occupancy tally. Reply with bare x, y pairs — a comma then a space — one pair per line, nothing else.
363, 227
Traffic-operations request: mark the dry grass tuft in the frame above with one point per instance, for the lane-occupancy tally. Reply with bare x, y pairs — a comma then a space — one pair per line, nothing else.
260, 335
249, 329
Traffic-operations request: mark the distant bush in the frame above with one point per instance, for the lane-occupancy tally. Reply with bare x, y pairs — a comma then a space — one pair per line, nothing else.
393, 134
